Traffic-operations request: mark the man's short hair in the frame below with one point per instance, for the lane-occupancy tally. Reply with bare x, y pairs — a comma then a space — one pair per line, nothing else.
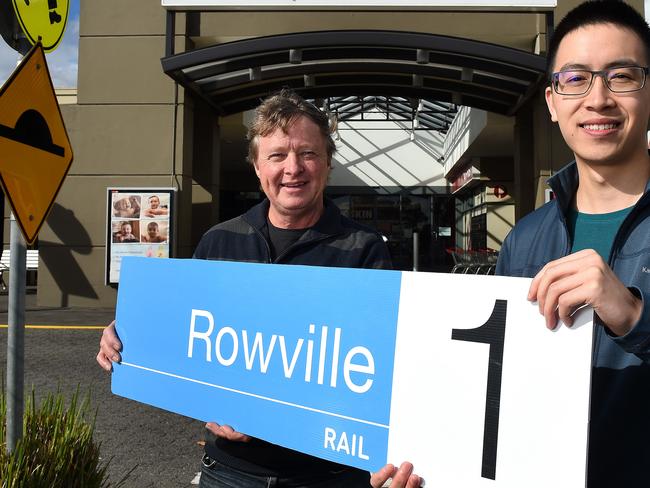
595, 12
280, 111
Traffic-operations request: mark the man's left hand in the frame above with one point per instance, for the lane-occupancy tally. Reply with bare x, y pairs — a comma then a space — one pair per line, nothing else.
583, 278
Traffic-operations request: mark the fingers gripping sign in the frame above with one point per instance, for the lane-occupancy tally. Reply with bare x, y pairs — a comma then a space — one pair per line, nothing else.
227, 432
583, 278
402, 477
109, 348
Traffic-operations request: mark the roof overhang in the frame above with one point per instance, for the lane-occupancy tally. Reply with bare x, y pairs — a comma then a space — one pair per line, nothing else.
372, 5
234, 77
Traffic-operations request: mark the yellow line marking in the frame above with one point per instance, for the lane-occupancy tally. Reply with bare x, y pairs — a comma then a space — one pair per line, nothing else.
91, 327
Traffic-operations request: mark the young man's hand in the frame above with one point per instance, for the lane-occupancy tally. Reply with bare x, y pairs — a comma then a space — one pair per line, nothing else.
583, 278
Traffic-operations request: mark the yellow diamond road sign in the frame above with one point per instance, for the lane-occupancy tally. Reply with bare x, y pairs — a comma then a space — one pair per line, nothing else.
35, 152
42, 20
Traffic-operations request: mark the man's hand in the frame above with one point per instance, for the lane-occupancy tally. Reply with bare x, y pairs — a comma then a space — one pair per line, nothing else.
226, 432
583, 278
109, 348
402, 477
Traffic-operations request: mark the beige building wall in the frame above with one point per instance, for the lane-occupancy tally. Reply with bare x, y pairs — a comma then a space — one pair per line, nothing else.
130, 127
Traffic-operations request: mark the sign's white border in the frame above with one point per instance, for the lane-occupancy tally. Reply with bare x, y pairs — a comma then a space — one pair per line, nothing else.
523, 5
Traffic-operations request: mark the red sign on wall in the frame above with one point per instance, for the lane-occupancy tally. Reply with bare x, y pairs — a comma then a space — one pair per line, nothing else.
462, 179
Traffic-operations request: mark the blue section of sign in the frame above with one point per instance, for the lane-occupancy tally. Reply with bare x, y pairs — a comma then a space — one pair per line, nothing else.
301, 356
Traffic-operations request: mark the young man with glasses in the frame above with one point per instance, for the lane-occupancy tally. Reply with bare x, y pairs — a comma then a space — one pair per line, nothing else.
591, 245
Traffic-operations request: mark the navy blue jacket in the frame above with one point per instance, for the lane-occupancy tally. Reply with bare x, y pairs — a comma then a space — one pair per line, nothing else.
619, 434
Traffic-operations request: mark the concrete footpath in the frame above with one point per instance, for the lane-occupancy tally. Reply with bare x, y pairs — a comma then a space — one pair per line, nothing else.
162, 449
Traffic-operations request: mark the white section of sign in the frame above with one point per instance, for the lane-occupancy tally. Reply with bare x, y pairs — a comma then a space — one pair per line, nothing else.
523, 5
437, 417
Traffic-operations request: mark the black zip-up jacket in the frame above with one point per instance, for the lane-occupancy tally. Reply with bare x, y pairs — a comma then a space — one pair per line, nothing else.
334, 241
619, 434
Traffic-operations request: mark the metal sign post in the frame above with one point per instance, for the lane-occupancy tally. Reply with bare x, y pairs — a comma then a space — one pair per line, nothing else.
35, 156
16, 339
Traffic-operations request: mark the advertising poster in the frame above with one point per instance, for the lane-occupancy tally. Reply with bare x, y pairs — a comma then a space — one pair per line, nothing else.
139, 223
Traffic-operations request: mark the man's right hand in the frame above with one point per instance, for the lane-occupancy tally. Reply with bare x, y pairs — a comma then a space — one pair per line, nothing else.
109, 348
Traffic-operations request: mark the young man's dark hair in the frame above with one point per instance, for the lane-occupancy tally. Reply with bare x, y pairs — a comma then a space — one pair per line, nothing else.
593, 12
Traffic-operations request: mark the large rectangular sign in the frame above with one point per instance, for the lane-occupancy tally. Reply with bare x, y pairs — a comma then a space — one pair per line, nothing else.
455, 373
514, 5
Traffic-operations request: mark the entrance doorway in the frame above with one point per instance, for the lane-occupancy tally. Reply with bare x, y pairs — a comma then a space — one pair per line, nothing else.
400, 219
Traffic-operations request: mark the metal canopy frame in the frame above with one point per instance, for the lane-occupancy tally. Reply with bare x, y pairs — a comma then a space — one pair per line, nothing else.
234, 77
420, 114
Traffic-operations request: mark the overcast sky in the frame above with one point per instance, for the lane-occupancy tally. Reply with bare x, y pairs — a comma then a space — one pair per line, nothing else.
62, 61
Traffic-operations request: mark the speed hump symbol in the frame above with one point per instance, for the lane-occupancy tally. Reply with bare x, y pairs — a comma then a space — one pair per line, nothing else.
43, 20
35, 152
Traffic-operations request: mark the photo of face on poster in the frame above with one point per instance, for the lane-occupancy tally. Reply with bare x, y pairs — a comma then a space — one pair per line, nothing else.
126, 206
155, 231
155, 205
126, 231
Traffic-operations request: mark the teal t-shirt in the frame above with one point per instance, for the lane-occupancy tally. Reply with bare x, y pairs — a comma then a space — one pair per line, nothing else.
595, 231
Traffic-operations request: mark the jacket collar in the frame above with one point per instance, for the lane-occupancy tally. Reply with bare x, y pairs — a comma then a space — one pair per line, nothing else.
564, 184
328, 224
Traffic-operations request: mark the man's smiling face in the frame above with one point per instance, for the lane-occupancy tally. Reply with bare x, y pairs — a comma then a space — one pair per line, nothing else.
293, 168
601, 127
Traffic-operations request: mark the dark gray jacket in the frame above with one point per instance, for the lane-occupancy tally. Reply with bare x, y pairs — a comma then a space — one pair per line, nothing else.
619, 439
334, 241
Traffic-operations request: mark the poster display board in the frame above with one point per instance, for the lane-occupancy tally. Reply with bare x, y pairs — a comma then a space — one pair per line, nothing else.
456, 373
139, 223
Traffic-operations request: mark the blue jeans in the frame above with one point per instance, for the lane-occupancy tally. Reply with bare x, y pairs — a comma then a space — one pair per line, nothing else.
217, 475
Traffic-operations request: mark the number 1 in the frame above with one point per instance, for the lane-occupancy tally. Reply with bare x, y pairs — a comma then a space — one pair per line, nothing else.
491, 332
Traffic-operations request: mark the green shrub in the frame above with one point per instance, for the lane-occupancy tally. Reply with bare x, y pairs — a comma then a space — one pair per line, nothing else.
57, 449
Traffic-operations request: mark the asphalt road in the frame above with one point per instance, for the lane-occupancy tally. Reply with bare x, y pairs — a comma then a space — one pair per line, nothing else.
161, 448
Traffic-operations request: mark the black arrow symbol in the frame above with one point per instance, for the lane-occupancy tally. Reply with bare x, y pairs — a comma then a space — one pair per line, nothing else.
31, 129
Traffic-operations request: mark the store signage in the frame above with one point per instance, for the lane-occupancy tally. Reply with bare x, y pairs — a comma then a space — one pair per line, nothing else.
524, 5
35, 152
500, 191
363, 367
462, 179
43, 21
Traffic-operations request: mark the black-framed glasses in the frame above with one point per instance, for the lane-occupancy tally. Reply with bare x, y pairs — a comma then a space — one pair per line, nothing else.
619, 79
